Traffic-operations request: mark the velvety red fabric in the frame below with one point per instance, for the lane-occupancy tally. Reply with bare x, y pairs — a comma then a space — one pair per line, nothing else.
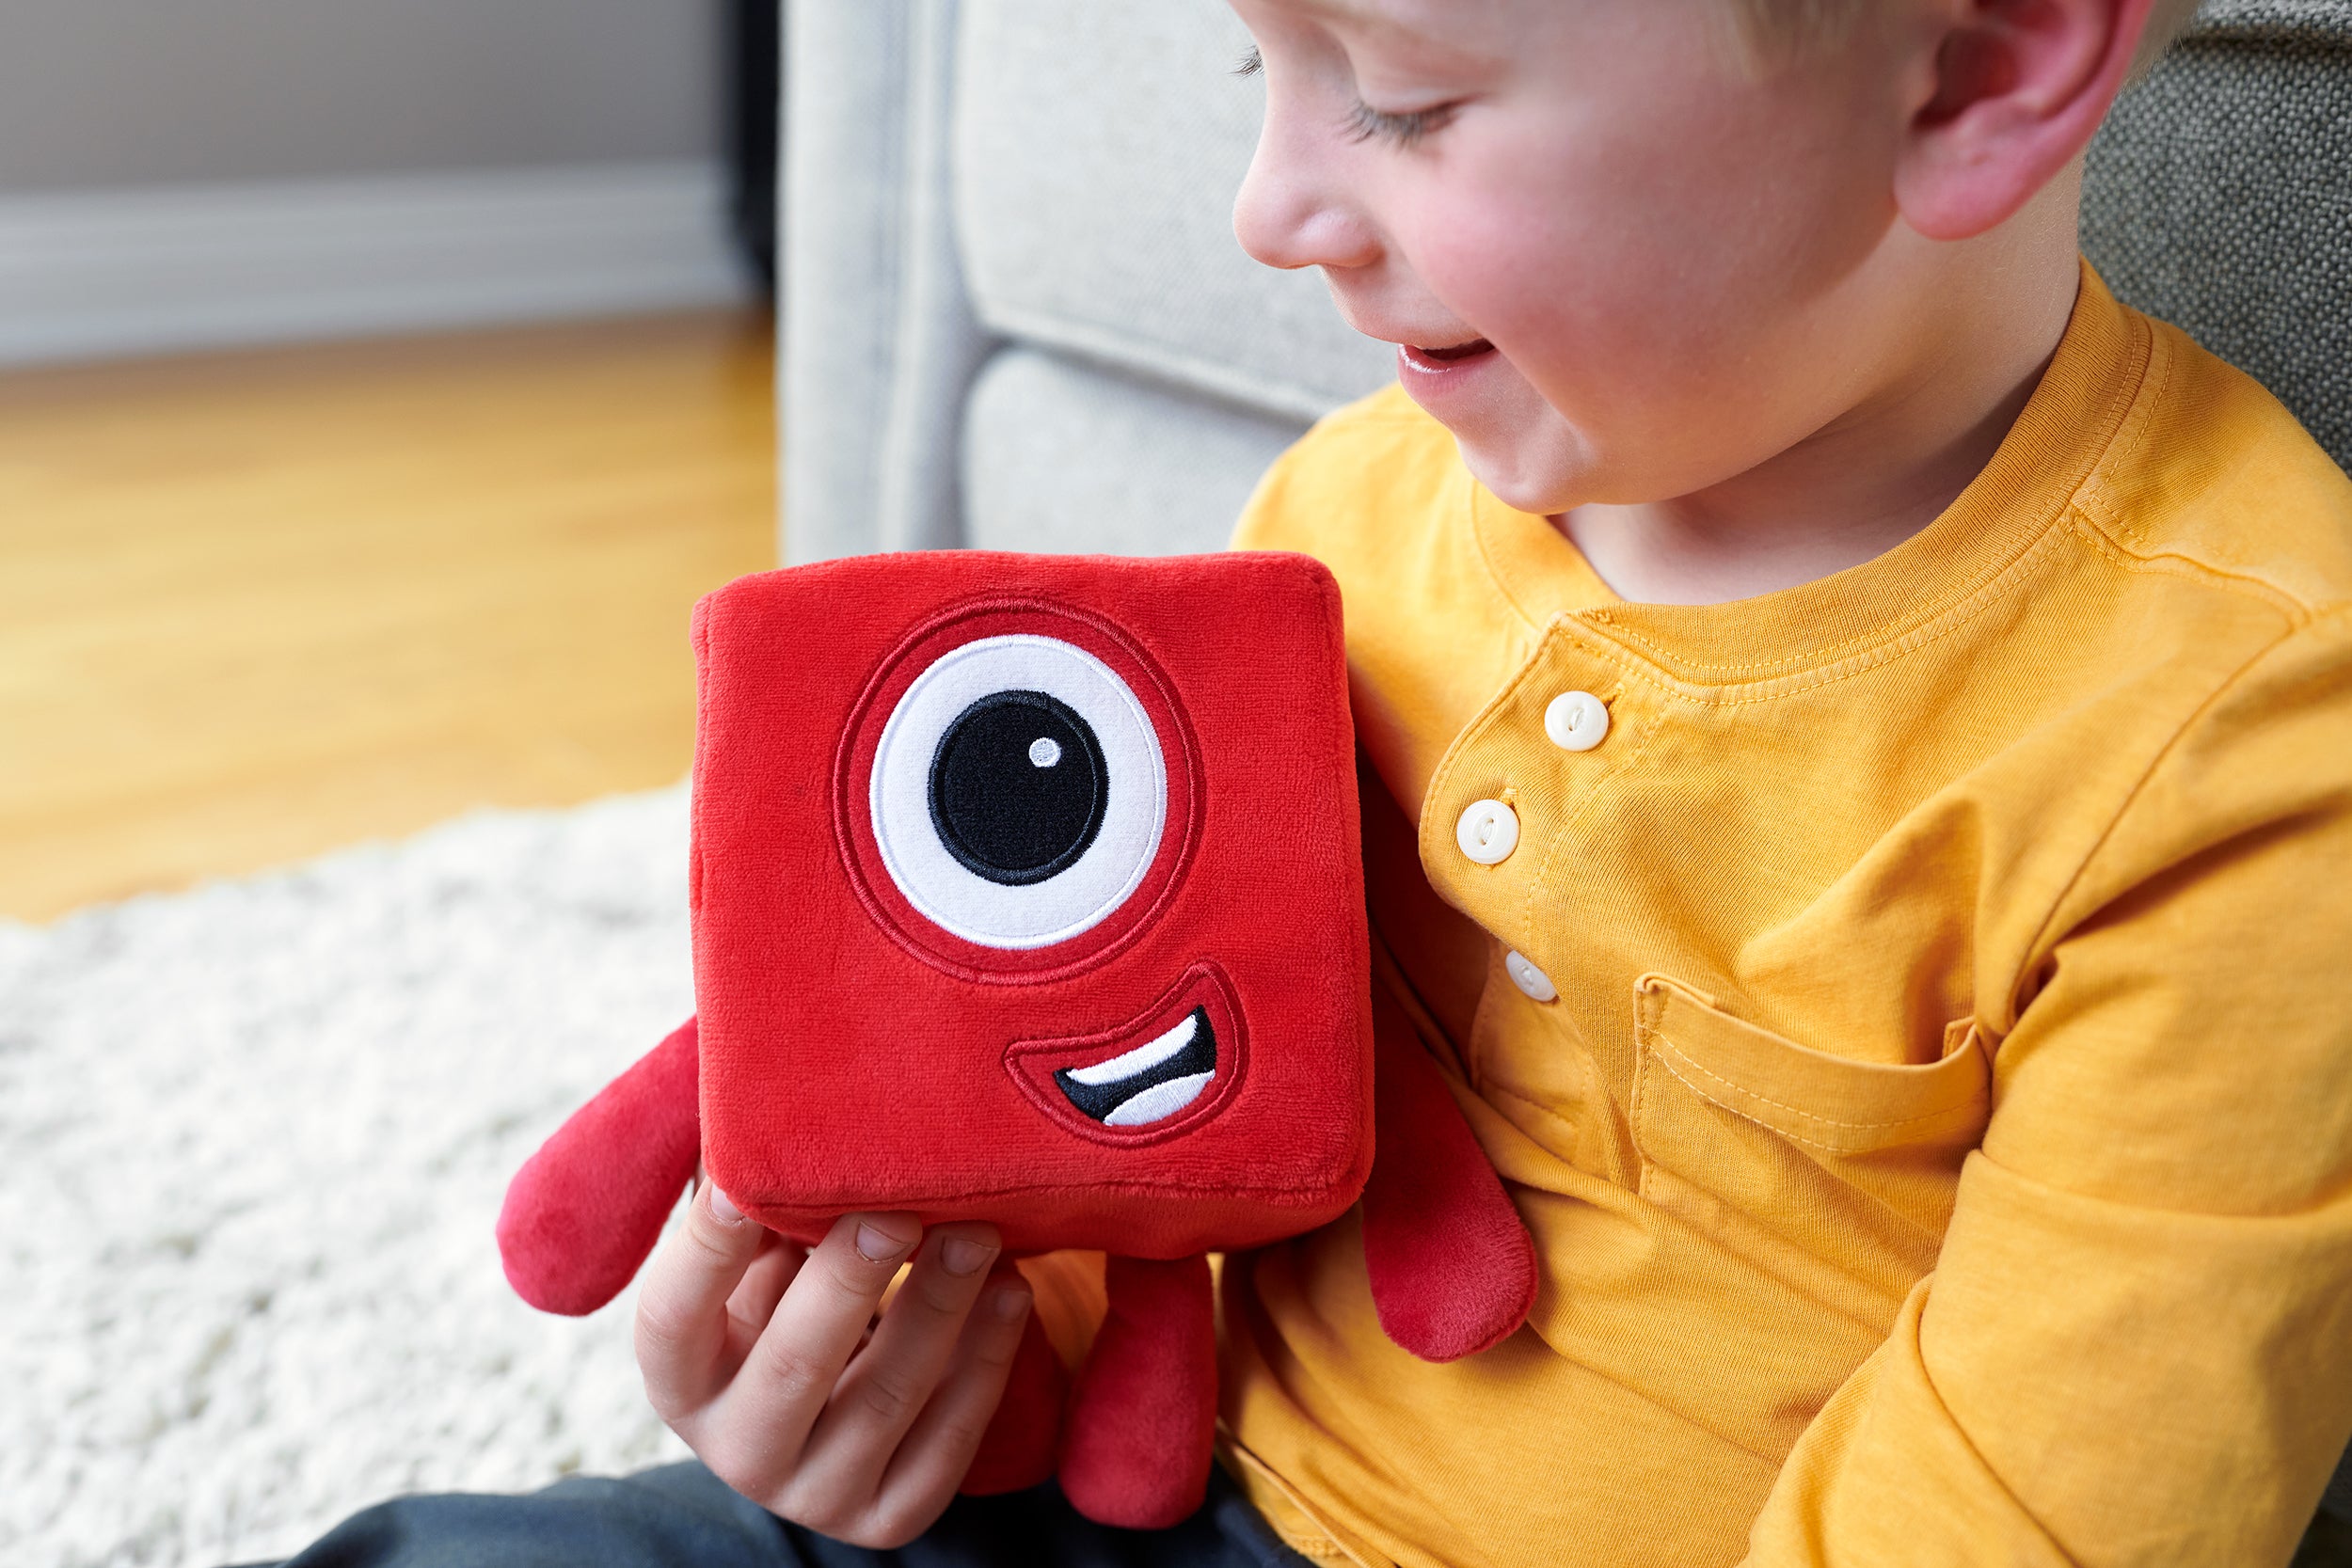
853, 1055
1143, 1418
583, 1212
857, 1056
1023, 1437
1453, 1268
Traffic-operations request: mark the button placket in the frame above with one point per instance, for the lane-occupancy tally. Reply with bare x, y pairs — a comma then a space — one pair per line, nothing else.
1523, 755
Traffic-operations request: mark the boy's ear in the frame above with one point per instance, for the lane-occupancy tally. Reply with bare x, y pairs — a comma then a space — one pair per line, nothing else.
2016, 90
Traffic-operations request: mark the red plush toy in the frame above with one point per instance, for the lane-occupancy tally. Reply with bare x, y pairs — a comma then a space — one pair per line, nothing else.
1026, 890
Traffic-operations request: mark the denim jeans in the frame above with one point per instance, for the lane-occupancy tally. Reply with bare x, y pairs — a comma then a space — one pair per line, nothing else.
683, 1516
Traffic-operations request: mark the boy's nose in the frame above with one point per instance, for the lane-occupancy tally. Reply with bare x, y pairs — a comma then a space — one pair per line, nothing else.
1291, 212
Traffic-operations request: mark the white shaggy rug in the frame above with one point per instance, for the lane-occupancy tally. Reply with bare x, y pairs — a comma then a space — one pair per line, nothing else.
252, 1140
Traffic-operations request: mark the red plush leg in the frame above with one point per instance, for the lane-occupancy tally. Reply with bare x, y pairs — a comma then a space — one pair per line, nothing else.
1452, 1269
582, 1212
1137, 1451
1017, 1450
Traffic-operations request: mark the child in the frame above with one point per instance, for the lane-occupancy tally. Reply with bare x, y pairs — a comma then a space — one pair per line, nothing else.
1859, 731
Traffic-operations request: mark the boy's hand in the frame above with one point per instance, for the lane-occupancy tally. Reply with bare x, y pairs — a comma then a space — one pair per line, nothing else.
761, 1360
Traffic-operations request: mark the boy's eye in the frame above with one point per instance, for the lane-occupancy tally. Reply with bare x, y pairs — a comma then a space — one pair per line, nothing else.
1364, 123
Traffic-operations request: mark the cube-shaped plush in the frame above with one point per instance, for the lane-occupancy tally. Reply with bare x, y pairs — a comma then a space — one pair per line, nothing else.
1028, 889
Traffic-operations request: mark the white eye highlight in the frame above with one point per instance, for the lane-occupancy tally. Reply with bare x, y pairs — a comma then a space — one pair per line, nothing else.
1018, 793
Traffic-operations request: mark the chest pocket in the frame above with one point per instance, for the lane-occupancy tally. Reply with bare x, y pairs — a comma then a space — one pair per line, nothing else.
1826, 1171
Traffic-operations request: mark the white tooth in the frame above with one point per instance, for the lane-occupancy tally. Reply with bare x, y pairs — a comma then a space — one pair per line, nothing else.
1143, 1058
1159, 1101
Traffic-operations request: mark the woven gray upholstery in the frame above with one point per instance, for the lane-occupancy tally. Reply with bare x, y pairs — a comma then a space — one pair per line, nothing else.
971, 181
880, 343
1116, 244
2219, 197
1060, 455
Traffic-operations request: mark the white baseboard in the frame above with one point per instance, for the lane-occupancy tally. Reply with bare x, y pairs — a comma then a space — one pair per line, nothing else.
92, 274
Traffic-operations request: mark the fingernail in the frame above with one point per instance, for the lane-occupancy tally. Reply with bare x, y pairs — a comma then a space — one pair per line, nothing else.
965, 1257
723, 1208
1012, 1303
879, 1246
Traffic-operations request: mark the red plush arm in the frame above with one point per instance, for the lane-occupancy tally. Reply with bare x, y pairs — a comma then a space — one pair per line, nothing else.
1143, 1420
1452, 1269
582, 1212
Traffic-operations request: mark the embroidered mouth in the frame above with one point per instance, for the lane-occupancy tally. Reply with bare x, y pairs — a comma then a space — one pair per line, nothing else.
1161, 1072
1150, 1084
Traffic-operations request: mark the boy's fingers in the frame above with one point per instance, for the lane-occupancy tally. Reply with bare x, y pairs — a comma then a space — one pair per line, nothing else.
757, 1293
884, 1390
765, 1414
681, 1325
754, 1299
932, 1458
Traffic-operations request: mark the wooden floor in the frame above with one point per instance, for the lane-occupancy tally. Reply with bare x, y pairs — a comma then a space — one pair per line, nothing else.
255, 606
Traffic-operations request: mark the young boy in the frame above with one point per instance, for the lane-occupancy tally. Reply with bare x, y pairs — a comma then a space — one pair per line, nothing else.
1860, 743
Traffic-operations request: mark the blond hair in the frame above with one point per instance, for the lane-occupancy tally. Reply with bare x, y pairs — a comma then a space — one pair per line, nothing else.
1779, 28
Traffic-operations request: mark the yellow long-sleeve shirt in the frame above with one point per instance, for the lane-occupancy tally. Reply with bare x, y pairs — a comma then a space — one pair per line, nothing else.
1940, 1147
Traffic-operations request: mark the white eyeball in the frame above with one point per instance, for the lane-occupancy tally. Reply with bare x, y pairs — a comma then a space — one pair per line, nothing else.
1017, 792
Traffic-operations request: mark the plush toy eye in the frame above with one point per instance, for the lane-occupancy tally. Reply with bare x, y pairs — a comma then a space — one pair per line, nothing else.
1019, 788
1019, 792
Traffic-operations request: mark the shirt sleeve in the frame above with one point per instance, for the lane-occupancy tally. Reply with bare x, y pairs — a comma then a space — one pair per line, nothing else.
2137, 1344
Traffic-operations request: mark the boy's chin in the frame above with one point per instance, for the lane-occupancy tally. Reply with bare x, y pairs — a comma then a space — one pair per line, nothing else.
1537, 471
1513, 441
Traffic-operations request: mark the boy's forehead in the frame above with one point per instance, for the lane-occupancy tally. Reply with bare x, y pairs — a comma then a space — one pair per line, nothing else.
1471, 28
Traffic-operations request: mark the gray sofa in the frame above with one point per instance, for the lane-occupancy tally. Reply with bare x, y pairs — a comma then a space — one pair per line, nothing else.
2219, 197
1014, 315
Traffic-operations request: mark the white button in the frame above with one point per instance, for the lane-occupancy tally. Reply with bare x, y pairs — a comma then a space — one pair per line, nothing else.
1488, 832
1529, 978
1576, 720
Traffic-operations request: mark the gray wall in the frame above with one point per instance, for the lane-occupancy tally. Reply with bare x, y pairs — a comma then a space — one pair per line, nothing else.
146, 92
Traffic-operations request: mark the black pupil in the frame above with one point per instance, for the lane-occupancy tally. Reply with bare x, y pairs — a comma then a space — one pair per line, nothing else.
1018, 787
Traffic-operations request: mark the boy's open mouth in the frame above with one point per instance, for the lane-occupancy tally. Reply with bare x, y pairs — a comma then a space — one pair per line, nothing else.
1446, 357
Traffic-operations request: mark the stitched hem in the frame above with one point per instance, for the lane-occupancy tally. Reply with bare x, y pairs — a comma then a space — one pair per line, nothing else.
1660, 1056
